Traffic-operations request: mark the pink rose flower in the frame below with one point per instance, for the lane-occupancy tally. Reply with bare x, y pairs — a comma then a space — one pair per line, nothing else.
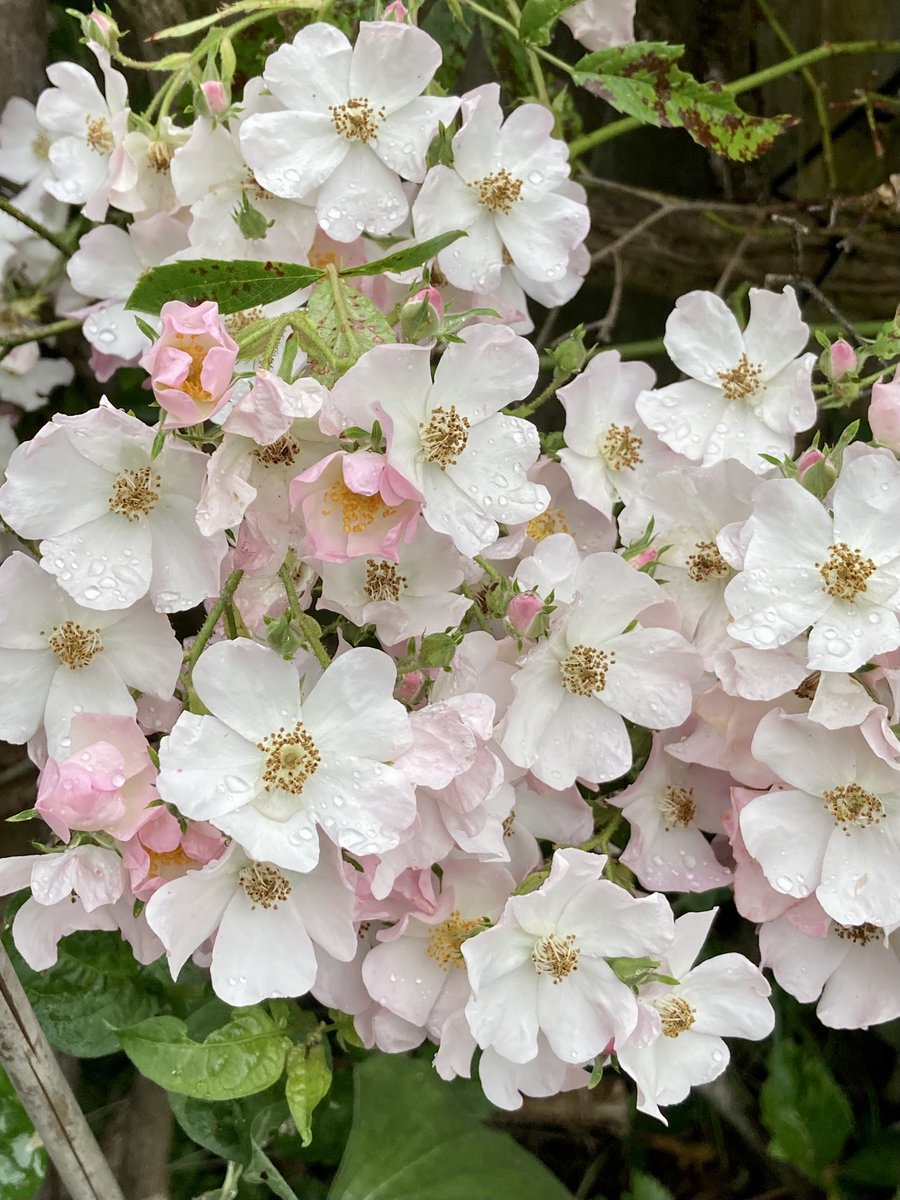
884, 412
192, 362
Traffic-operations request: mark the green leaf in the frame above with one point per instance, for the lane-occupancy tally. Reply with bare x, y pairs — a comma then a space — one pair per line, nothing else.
234, 285
804, 1110
245, 1056
416, 1138
308, 1081
642, 80
877, 1164
346, 324
95, 986
23, 1159
409, 256
538, 18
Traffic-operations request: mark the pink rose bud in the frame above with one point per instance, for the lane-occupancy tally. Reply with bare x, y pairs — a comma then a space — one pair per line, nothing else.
192, 363
433, 296
522, 610
808, 459
215, 96
643, 558
395, 11
102, 21
884, 413
843, 359
409, 687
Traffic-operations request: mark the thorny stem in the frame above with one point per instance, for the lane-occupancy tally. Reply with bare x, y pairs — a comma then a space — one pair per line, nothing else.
815, 91
301, 619
37, 333
525, 410
799, 61
212, 620
55, 239
492, 573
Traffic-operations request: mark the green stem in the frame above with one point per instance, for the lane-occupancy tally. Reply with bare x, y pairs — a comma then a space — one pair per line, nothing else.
807, 59
212, 620
55, 239
38, 332
492, 16
525, 410
492, 573
301, 619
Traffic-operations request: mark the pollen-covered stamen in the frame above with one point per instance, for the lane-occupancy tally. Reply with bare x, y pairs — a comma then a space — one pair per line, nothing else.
356, 120
845, 572
168, 864
584, 670
677, 806
383, 581
621, 448
498, 192
850, 804
807, 689
707, 563
159, 156
861, 935
357, 511
743, 381
99, 135
556, 955
509, 824
445, 436
677, 1016
446, 939
135, 494
264, 885
193, 383
280, 453
291, 758
549, 522
40, 146
74, 646
258, 192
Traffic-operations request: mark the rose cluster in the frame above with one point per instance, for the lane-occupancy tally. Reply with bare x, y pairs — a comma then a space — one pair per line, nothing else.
457, 711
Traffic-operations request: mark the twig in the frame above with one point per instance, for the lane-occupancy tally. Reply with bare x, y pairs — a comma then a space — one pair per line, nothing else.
37, 333
607, 322
212, 620
55, 239
733, 262
46, 1096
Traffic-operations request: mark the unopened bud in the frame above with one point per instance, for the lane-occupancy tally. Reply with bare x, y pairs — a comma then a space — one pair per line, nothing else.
215, 95
522, 611
421, 315
409, 686
843, 359
395, 11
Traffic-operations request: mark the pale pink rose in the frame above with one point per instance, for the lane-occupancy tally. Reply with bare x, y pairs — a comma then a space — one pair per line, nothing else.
161, 851
271, 406
106, 783
754, 896
355, 505
192, 362
884, 412
842, 358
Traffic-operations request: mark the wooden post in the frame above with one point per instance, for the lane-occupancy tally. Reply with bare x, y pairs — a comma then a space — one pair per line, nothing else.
28, 1060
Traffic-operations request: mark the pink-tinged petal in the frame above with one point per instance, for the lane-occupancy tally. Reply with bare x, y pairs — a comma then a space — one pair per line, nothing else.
187, 911
650, 679
249, 963
540, 233
352, 709
292, 153
401, 976
859, 876
864, 989
249, 687
585, 1011
702, 337
360, 194
802, 965
730, 997
105, 564
206, 769
807, 756
392, 64
504, 1013
489, 369
186, 564
788, 834
38, 928
776, 333
683, 415
33, 500
402, 140
312, 72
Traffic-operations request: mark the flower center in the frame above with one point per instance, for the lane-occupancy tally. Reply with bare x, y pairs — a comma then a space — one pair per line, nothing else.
621, 448
707, 563
167, 864
447, 938
845, 572
584, 670
193, 382
445, 436
356, 120
383, 581
159, 157
134, 494
850, 804
498, 192
357, 511
862, 935
676, 1014
74, 646
678, 807
40, 146
742, 381
264, 885
280, 453
291, 757
555, 955
99, 135
546, 524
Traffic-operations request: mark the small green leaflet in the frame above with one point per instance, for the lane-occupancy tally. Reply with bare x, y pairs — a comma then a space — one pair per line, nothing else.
538, 18
308, 1081
643, 80
245, 1056
408, 257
